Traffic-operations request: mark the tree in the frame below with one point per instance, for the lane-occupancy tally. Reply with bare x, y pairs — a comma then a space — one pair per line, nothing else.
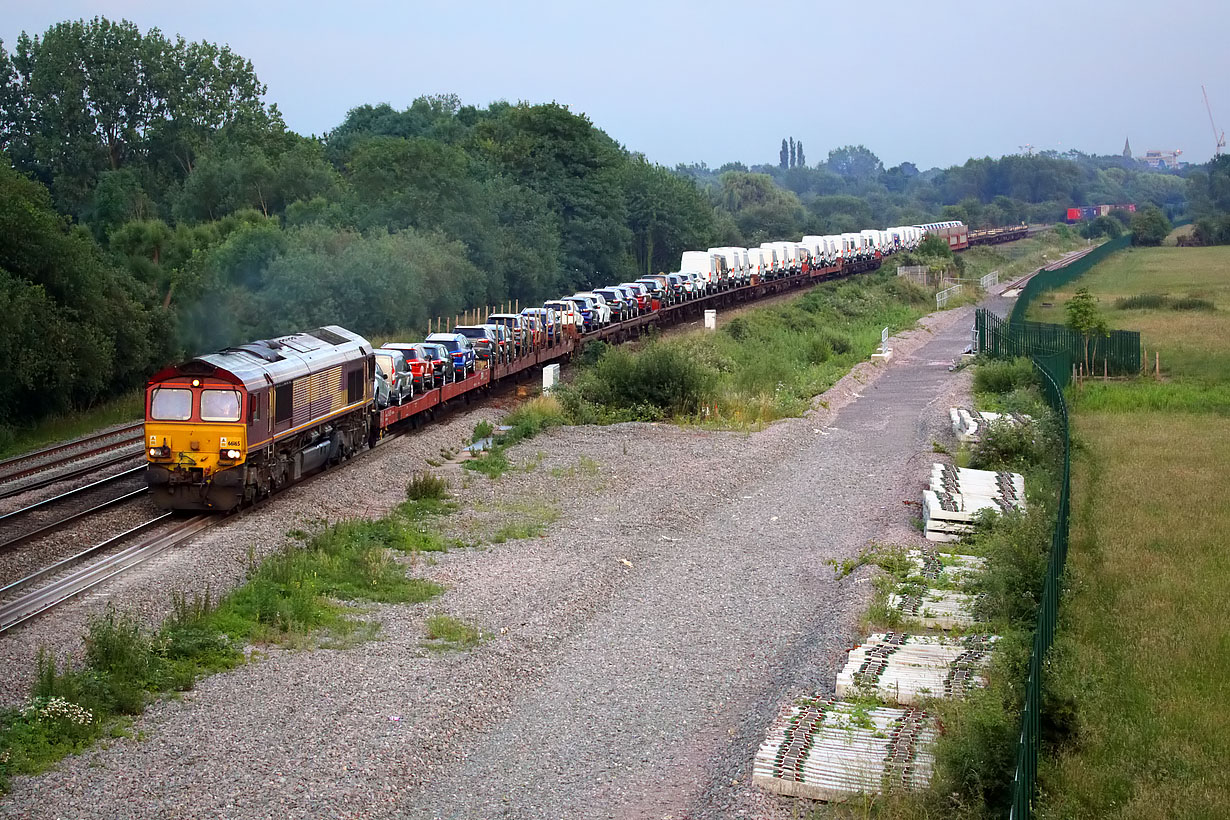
855, 162
1085, 318
784, 155
86, 97
792, 155
1149, 226
802, 163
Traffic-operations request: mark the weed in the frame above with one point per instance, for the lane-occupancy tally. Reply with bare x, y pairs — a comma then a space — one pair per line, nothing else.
447, 632
1004, 376
483, 430
427, 486
492, 464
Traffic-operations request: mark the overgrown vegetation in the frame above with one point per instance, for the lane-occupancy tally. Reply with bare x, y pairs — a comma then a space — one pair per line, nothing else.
766, 364
309, 593
524, 422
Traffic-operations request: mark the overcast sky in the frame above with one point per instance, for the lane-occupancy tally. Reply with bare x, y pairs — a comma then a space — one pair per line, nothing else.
933, 83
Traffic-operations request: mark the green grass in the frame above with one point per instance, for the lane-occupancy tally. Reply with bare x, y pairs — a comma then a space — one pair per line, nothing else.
446, 632
305, 595
1144, 621
1192, 342
1137, 677
17, 440
525, 421
768, 363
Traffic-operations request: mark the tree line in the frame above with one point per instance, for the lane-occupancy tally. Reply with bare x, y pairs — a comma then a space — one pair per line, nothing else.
153, 204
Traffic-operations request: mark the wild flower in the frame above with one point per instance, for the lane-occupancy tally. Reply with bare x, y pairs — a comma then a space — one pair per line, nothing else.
56, 709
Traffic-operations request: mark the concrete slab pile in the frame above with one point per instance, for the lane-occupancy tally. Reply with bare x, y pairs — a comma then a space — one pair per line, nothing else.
969, 425
956, 495
833, 750
906, 669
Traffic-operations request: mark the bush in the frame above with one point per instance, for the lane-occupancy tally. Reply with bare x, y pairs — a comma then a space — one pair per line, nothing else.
1004, 375
1192, 303
482, 430
1014, 447
424, 486
661, 376
1149, 226
1157, 301
1143, 301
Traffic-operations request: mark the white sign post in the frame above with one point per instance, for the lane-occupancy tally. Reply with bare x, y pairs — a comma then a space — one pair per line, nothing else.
710, 320
550, 377
883, 352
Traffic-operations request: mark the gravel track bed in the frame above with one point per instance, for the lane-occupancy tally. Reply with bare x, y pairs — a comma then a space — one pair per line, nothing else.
633, 654
34, 555
52, 513
23, 499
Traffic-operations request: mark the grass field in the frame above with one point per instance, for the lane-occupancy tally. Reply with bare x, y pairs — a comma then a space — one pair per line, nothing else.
1141, 667
1144, 625
1193, 344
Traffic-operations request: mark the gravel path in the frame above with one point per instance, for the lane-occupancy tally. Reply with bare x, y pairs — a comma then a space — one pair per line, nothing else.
634, 654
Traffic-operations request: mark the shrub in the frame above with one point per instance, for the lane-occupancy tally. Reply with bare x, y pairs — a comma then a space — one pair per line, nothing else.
1142, 301
424, 486
1192, 303
1014, 447
1004, 375
482, 430
661, 376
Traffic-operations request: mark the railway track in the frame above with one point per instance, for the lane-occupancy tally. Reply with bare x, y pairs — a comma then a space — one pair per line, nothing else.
129, 438
30, 525
66, 579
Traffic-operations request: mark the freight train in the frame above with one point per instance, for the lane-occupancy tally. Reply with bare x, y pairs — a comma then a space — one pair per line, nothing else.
226, 429
1090, 212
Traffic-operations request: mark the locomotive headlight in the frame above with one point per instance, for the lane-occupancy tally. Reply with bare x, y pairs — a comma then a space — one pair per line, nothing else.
232, 454
160, 452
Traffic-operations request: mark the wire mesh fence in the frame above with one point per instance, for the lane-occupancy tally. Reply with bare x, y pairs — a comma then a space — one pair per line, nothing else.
1115, 354
1054, 365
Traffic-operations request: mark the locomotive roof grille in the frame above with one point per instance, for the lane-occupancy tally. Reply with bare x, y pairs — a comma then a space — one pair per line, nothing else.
328, 336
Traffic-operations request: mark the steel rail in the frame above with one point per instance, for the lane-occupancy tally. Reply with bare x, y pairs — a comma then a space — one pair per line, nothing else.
85, 553
47, 529
59, 462
68, 476
68, 445
62, 496
39, 601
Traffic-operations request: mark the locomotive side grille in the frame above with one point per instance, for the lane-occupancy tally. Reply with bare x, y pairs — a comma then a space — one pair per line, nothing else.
325, 391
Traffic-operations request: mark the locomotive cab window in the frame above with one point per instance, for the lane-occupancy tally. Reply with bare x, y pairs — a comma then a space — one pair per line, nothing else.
171, 404
283, 400
254, 407
220, 405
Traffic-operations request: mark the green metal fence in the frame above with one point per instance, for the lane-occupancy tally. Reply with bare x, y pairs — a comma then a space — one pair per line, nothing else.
1051, 279
1054, 366
1116, 354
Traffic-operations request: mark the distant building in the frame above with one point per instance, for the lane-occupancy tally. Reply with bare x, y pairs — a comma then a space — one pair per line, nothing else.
1127, 149
1163, 159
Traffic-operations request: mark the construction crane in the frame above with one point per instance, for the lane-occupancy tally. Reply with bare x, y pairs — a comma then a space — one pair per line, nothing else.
1218, 136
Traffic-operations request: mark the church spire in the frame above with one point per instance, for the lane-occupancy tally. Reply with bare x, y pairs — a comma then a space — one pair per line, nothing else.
1127, 148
